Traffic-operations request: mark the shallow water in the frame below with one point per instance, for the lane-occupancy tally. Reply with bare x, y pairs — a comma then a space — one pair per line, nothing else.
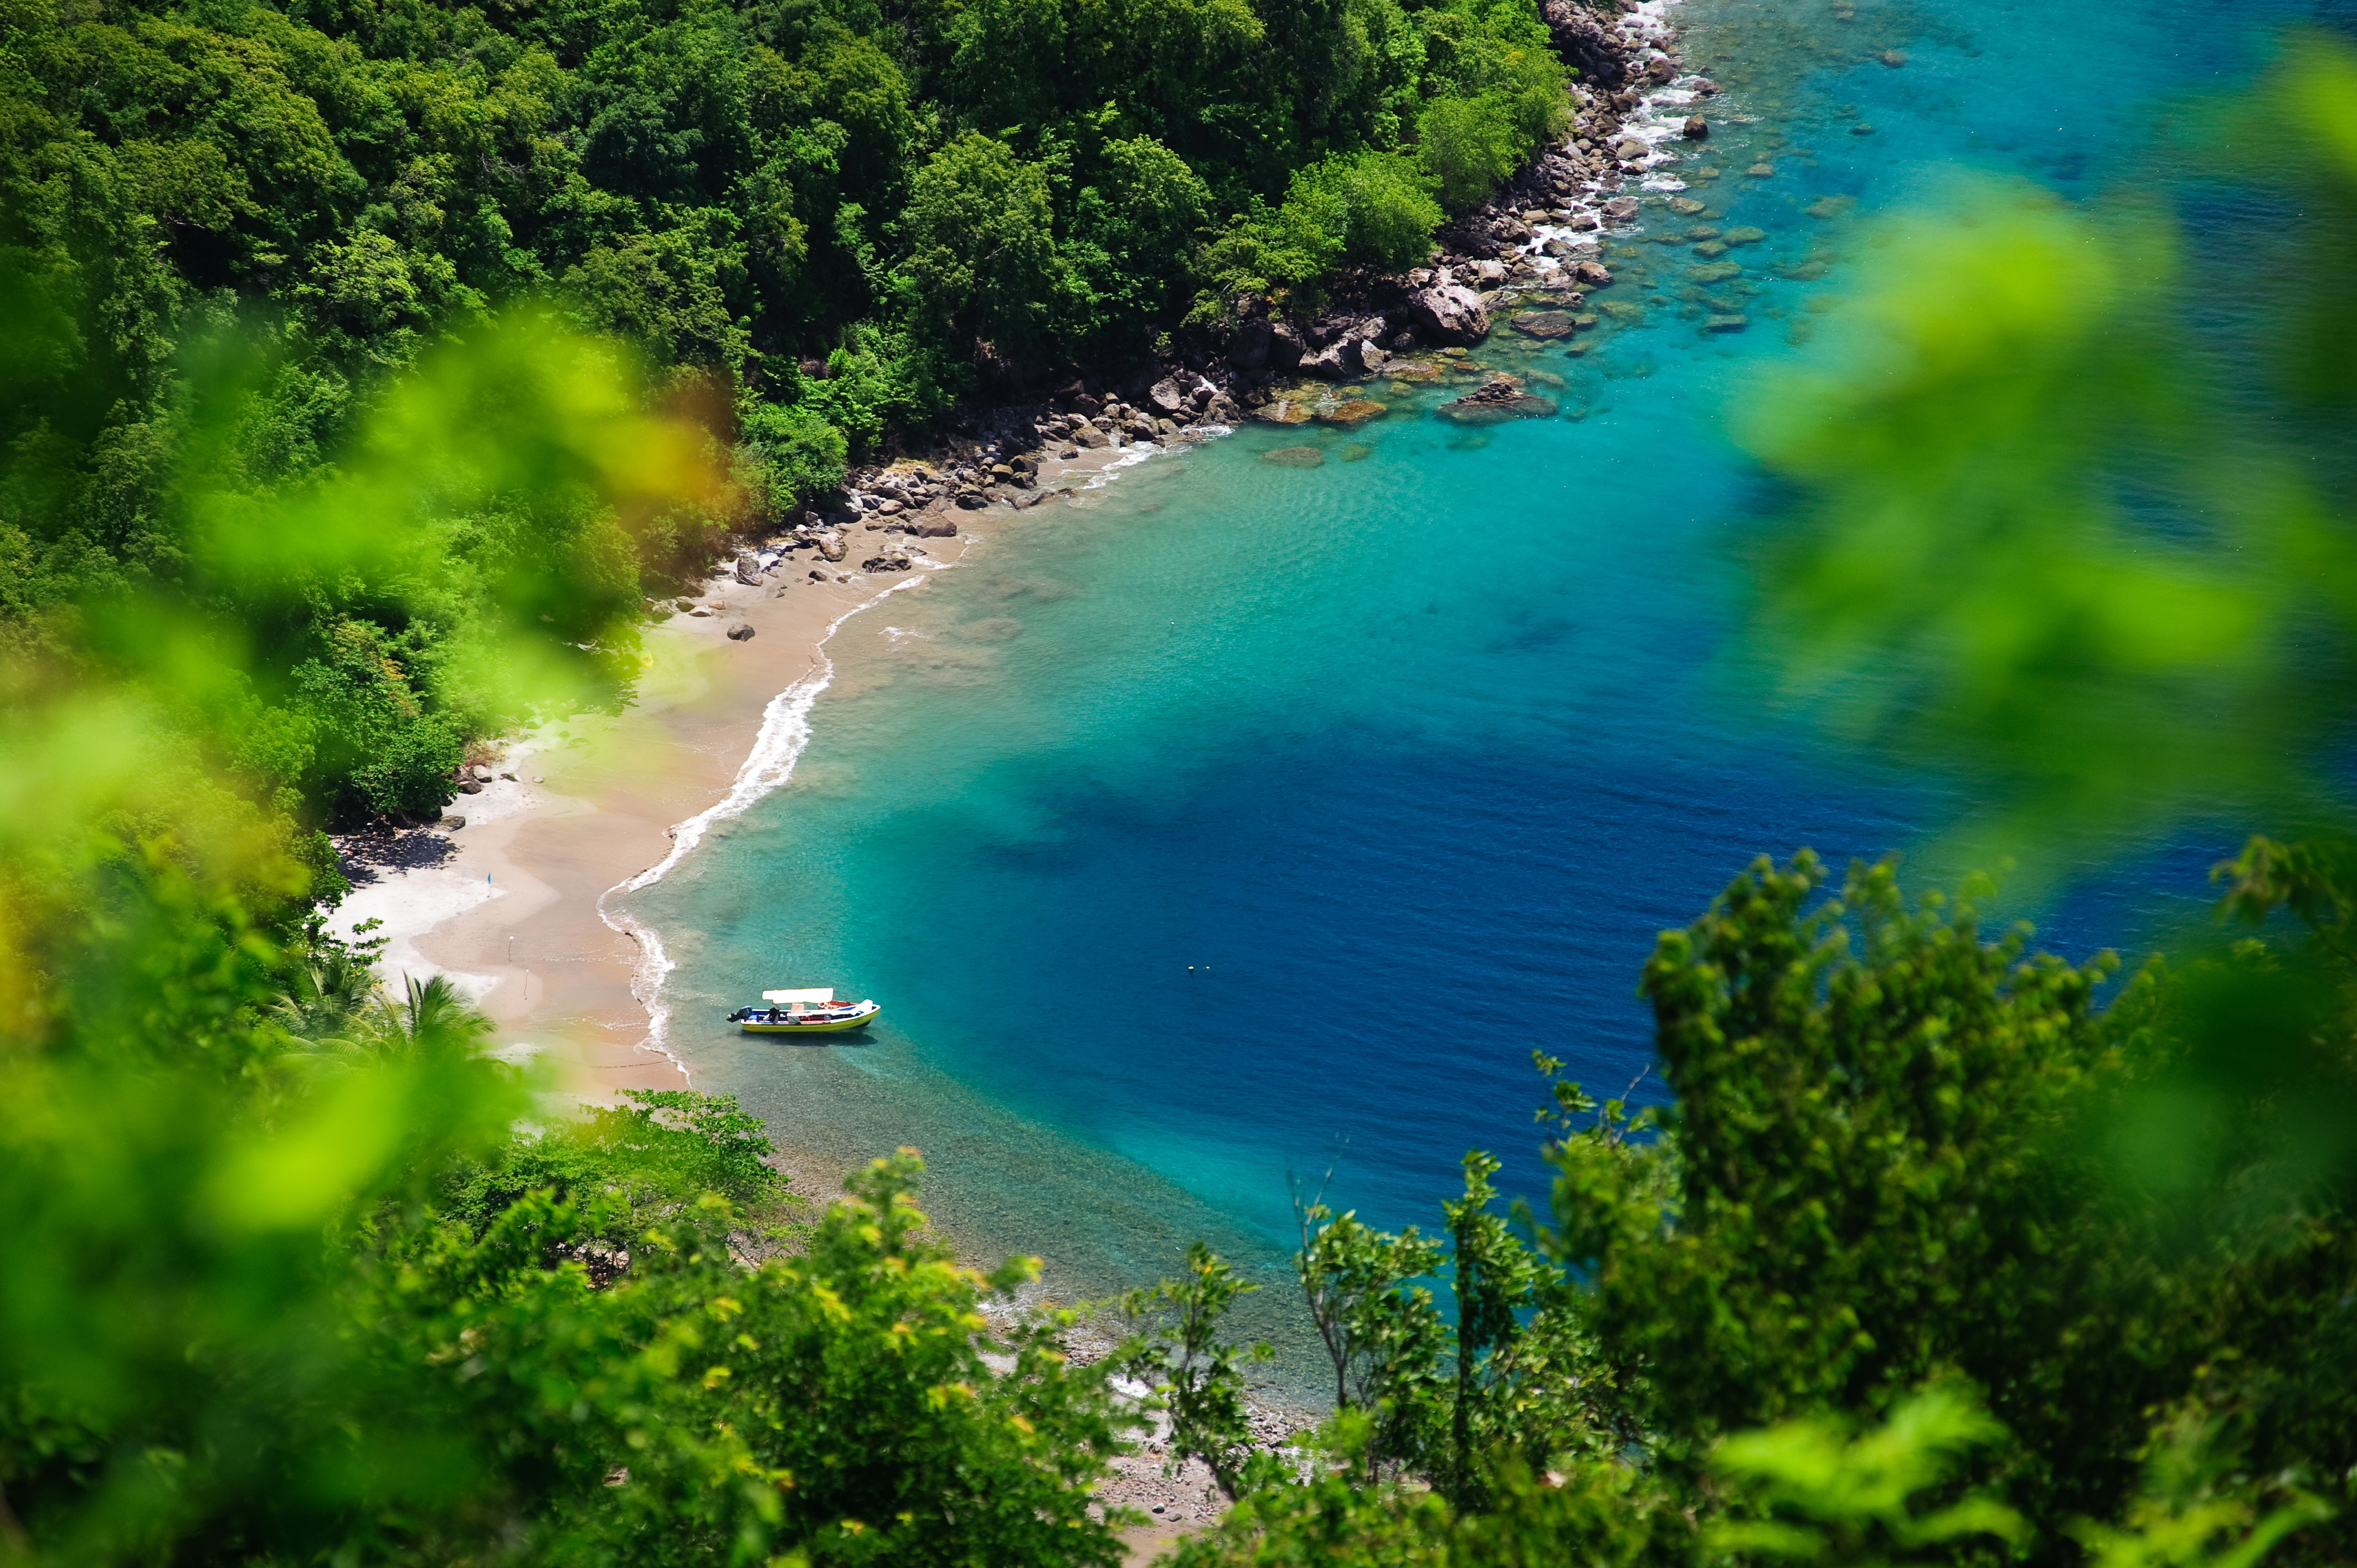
1254, 821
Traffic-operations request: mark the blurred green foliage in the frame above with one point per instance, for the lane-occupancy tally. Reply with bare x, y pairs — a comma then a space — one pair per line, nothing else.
325, 643
298, 1272
2064, 521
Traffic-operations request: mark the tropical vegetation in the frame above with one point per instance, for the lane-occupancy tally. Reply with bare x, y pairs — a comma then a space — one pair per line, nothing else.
1938, 1250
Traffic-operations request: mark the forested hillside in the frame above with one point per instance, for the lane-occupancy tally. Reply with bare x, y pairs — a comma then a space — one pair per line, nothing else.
224, 226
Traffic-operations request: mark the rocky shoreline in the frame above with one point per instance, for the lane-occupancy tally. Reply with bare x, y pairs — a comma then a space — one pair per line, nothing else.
1540, 235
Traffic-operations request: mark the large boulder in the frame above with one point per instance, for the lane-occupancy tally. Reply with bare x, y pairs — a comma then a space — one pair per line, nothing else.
1448, 313
1344, 360
1168, 396
748, 571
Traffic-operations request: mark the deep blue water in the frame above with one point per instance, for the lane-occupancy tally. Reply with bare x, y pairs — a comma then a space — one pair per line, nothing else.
1253, 821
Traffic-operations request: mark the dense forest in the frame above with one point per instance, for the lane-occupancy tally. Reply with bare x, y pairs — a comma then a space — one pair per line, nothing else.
363, 368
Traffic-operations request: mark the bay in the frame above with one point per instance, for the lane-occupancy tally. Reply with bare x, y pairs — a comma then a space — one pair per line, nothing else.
1250, 825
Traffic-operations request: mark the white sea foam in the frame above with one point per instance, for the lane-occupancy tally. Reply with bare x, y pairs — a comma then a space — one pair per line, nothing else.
785, 731
1131, 457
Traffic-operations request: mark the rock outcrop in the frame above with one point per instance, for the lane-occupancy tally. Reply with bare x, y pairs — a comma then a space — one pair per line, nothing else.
1583, 43
1343, 360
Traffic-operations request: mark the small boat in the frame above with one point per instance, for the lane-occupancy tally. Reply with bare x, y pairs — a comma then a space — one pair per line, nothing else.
803, 1013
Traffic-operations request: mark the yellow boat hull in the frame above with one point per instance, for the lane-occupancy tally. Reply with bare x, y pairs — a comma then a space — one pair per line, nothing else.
835, 1028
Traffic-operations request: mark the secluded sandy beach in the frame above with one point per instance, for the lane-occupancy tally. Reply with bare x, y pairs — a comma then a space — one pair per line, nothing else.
508, 905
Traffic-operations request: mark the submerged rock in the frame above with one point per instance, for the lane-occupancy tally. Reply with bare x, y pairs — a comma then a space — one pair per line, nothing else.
1500, 399
1358, 411
1544, 324
1296, 457
1746, 235
1684, 206
1732, 322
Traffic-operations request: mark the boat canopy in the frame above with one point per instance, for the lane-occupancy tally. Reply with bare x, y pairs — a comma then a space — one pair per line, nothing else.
824, 994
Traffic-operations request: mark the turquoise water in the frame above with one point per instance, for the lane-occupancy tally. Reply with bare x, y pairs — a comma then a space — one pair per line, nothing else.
1252, 823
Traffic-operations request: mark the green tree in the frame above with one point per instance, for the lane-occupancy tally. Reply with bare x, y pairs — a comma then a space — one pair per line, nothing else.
1133, 231
1385, 204
981, 244
1380, 1329
1174, 1346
